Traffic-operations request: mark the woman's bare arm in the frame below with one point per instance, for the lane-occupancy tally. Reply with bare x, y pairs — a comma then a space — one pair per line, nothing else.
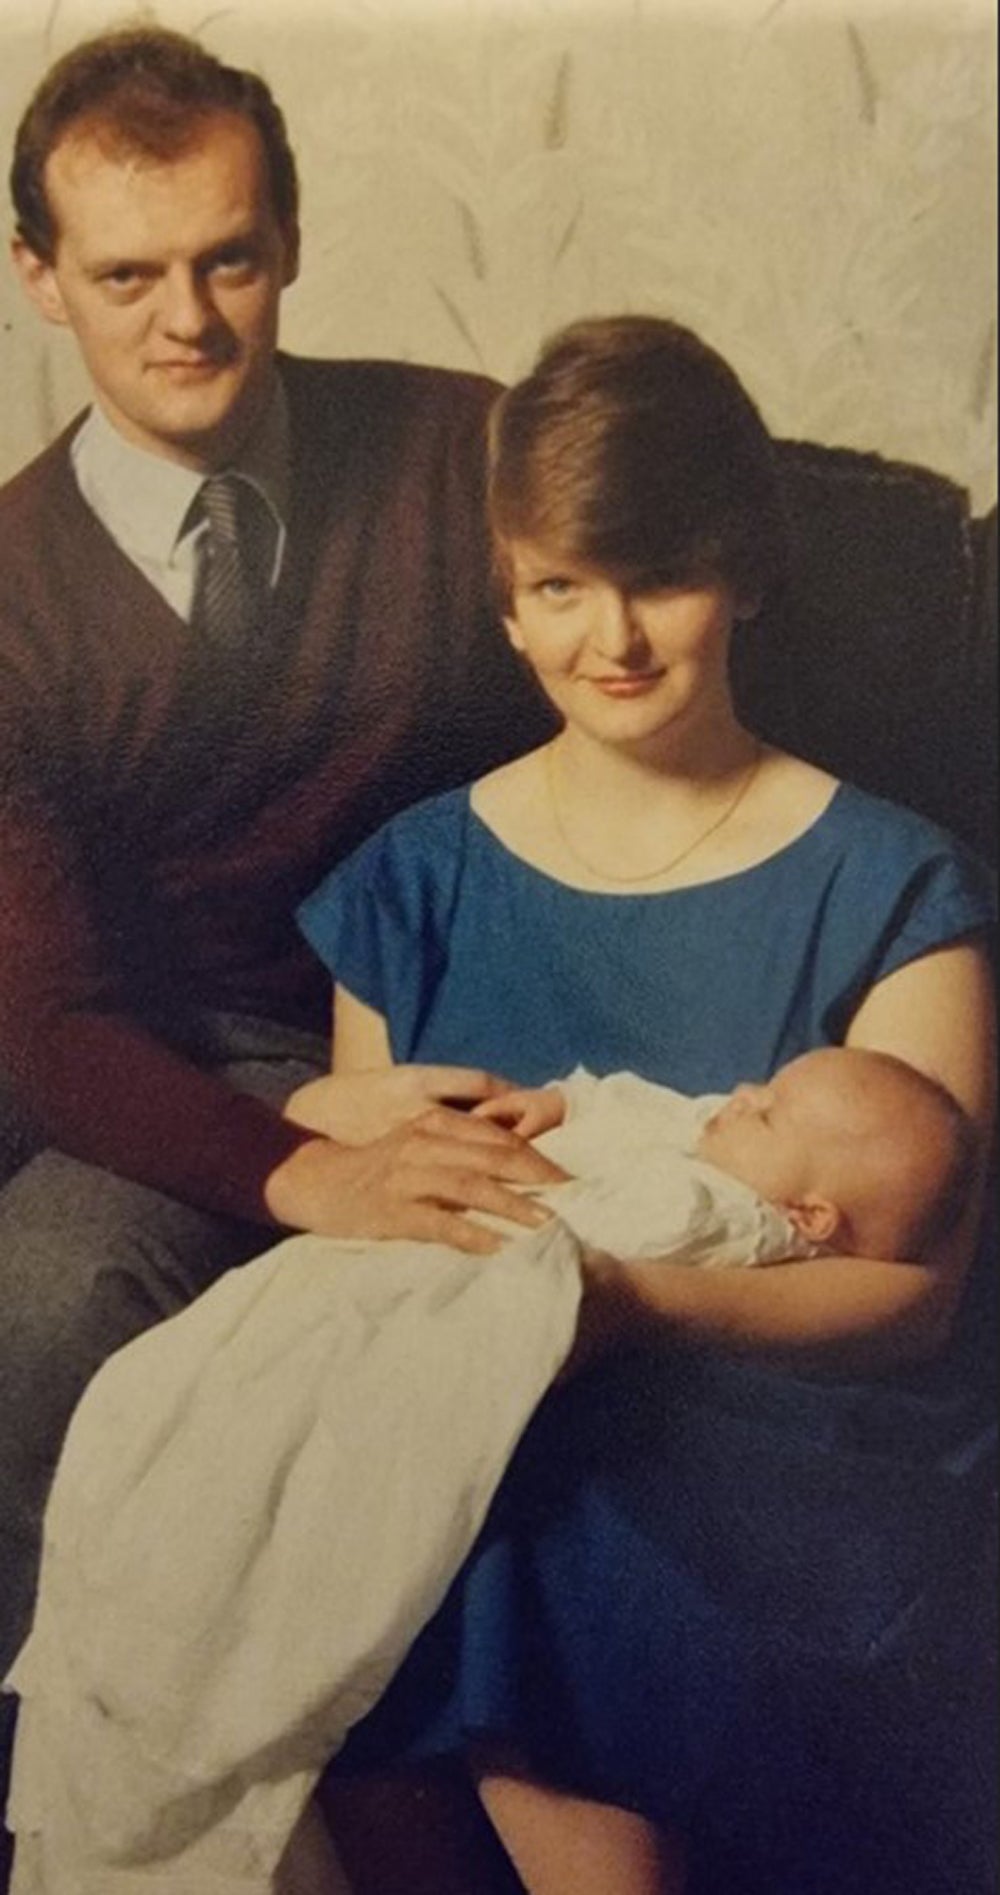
359, 1039
853, 1314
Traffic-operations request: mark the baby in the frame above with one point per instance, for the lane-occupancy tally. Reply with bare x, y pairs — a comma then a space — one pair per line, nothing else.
862, 1152
859, 1151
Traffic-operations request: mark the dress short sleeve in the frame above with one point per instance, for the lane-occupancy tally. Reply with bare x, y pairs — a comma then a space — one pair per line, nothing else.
380, 920
897, 888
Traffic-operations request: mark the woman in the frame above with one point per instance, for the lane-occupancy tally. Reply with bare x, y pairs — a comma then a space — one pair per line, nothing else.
698, 1599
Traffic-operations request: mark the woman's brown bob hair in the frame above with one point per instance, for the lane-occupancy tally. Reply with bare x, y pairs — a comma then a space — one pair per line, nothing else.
145, 90
632, 447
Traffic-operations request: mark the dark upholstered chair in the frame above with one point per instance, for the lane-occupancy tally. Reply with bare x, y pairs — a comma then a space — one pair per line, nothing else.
879, 661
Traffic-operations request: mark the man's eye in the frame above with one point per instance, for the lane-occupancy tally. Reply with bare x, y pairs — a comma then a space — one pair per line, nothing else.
123, 277
234, 263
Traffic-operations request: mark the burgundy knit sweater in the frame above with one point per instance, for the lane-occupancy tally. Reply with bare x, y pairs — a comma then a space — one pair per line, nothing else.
164, 808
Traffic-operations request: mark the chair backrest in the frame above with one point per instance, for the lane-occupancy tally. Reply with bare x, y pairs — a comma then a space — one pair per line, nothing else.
878, 660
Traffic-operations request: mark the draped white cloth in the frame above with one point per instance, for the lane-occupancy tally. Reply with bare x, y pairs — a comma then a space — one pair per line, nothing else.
261, 1502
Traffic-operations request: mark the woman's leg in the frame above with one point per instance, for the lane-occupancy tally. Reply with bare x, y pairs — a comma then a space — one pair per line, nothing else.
420, 1830
558, 1841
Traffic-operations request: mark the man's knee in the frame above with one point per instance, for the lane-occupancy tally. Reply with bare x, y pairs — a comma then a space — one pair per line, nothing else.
87, 1261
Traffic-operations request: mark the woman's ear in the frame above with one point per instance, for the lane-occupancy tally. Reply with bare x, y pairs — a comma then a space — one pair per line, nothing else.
513, 631
818, 1219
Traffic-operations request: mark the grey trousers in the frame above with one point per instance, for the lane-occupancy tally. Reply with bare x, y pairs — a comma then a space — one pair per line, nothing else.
87, 1261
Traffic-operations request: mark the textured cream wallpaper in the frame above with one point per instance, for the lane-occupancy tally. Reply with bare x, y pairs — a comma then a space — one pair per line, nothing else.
807, 182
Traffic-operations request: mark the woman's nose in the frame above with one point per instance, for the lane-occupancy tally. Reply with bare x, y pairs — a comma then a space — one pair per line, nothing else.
618, 632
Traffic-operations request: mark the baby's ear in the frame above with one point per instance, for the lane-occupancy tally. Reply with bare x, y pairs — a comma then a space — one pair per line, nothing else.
818, 1219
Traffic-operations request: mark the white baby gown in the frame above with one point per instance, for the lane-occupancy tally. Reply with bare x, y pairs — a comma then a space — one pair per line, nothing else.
261, 1501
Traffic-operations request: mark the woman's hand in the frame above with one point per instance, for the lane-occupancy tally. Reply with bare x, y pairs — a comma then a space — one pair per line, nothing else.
526, 1112
420, 1180
354, 1108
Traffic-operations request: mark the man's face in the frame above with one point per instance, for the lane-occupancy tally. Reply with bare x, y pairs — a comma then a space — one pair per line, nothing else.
170, 275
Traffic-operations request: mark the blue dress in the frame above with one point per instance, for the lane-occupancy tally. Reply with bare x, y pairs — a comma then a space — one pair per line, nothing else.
709, 1589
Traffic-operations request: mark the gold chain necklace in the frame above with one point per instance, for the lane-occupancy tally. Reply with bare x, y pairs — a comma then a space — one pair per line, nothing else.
674, 861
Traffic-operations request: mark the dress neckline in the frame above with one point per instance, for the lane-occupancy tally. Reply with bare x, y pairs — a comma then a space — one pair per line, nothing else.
839, 791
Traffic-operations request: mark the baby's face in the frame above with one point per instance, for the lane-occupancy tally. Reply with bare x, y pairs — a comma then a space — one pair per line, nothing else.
770, 1135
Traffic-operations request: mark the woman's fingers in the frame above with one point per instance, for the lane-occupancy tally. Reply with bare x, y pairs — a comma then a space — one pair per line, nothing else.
356, 1108
509, 1109
461, 1087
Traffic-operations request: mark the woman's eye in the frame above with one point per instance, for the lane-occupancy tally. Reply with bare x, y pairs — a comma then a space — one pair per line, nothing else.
556, 588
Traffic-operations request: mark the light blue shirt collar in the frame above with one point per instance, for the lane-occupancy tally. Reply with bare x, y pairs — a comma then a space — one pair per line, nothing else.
143, 499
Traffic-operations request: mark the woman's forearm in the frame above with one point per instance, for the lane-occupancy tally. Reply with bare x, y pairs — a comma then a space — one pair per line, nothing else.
845, 1314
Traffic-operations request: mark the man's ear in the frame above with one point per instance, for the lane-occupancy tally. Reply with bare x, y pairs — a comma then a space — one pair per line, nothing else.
38, 280
291, 238
817, 1219
513, 631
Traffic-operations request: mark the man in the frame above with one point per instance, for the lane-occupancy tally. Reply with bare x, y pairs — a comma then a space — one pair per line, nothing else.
208, 692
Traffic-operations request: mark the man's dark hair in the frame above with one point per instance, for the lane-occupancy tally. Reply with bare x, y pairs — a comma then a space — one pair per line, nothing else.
633, 447
139, 90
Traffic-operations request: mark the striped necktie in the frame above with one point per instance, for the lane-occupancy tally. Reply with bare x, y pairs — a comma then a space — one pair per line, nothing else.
234, 562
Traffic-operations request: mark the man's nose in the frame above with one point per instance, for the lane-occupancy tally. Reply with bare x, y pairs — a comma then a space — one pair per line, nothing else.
185, 304
618, 633
749, 1097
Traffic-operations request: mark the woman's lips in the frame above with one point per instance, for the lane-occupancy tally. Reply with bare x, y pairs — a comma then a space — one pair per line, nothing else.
634, 685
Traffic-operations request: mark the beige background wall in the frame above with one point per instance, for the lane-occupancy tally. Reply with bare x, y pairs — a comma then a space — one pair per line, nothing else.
807, 182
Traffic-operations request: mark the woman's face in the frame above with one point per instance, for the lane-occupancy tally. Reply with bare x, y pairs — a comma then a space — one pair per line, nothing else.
620, 663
